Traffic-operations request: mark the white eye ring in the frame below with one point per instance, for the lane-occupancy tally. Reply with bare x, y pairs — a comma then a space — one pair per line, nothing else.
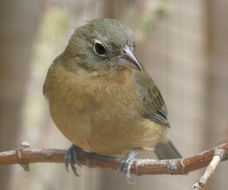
99, 48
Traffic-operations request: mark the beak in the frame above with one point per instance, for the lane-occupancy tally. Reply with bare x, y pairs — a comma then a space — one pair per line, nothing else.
128, 59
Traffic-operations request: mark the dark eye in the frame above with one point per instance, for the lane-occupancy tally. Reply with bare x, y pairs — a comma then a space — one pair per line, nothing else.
99, 48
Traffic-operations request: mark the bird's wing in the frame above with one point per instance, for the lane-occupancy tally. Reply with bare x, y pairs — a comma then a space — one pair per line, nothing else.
154, 107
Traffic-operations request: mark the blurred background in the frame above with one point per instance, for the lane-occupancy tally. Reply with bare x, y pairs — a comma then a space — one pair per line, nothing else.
183, 45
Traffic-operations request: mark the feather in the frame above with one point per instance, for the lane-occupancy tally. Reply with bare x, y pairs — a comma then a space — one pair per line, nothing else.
154, 107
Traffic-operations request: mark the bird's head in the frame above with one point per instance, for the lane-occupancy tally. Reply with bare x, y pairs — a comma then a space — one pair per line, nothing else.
104, 46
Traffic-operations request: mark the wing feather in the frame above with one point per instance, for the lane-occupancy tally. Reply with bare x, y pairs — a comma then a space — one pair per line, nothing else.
154, 107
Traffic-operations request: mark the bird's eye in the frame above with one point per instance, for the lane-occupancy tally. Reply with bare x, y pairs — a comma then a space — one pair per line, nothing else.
99, 48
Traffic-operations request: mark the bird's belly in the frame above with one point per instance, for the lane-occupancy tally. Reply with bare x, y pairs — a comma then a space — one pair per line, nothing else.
104, 118
109, 135
118, 139
74, 126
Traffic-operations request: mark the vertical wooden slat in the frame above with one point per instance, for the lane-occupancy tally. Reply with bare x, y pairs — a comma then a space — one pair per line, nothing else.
216, 128
18, 24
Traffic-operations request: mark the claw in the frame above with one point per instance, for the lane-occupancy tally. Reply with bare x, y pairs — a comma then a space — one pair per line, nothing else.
71, 158
126, 163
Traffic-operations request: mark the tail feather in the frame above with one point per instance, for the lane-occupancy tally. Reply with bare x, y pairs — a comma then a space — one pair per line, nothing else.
167, 150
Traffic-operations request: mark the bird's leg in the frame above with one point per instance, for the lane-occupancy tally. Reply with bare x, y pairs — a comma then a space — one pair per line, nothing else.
126, 163
71, 158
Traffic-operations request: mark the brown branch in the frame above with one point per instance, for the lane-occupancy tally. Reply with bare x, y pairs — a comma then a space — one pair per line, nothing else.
217, 158
25, 156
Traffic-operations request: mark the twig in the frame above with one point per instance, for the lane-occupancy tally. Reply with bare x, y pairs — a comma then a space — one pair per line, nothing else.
219, 155
182, 166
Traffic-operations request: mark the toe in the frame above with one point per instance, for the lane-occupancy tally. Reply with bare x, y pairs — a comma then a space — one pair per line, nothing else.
127, 162
71, 158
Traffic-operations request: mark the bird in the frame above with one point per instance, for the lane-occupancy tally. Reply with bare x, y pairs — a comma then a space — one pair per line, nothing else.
102, 99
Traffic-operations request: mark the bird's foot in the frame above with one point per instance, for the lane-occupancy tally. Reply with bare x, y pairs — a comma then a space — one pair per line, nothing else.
126, 163
71, 158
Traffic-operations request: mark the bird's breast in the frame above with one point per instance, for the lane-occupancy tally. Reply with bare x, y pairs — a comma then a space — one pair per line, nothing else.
99, 114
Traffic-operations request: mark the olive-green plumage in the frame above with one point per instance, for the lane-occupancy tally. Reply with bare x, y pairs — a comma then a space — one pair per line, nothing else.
100, 96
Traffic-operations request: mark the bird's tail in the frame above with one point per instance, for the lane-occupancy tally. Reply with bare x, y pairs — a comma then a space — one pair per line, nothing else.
167, 150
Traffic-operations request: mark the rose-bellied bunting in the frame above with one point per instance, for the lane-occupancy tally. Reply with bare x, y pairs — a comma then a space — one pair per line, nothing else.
102, 99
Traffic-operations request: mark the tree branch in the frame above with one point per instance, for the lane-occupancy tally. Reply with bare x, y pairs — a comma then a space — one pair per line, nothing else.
140, 167
217, 158
211, 157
